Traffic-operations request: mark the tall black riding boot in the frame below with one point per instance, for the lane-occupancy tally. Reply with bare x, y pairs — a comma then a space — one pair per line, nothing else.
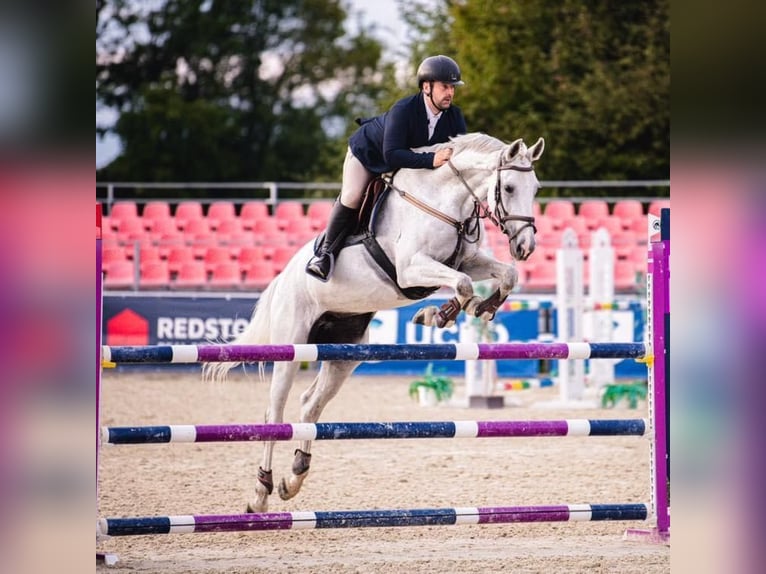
341, 222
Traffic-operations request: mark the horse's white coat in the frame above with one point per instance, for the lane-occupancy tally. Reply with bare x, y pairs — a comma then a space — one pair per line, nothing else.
416, 243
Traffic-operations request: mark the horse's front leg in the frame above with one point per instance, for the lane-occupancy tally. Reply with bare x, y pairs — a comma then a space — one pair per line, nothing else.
325, 386
425, 271
281, 383
483, 267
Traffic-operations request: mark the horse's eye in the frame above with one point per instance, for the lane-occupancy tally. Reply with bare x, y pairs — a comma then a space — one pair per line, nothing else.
508, 189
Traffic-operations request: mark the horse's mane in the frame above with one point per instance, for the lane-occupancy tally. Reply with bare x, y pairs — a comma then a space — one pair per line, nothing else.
475, 141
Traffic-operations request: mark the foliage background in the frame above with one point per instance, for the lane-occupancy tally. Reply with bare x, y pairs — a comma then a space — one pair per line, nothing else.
267, 90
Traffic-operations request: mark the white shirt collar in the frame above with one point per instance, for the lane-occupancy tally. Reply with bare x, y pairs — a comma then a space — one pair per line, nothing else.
432, 117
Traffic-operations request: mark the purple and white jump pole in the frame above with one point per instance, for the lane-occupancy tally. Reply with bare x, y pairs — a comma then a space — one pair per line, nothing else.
658, 339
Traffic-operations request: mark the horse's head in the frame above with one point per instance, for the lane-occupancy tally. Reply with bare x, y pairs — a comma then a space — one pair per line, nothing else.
513, 199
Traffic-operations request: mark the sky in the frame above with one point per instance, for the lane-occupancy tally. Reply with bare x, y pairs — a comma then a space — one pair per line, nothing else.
383, 13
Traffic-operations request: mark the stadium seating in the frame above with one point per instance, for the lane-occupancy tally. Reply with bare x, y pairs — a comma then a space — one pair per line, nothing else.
154, 275
220, 211
226, 275
121, 275
191, 276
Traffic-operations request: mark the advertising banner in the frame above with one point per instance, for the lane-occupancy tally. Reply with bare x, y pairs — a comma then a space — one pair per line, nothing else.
193, 320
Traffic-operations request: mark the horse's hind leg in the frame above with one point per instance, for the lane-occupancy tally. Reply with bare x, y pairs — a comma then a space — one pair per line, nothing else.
326, 385
281, 382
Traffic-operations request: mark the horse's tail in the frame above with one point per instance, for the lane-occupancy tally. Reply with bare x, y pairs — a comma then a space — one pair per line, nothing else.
256, 333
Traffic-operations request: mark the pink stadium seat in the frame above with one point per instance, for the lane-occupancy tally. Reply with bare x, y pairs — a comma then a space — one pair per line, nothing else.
148, 254
128, 226
154, 275
220, 211
111, 255
226, 276
121, 275
593, 209
200, 243
252, 211
259, 275
154, 210
123, 210
287, 211
159, 227
230, 226
177, 256
168, 241
560, 210
196, 227
191, 276
282, 254
249, 255
265, 226
542, 277
627, 209
214, 256
187, 211
318, 213
657, 204
624, 275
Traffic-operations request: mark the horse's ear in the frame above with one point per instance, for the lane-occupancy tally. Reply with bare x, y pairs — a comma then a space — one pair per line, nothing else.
536, 150
513, 150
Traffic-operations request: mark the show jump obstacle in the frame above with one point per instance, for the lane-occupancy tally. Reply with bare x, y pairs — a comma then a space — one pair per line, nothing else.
654, 352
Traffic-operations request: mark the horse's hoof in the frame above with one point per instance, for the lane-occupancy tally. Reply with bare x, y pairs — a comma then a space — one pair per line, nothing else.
252, 509
284, 493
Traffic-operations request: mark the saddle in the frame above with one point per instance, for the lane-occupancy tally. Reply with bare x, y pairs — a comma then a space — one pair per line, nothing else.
373, 201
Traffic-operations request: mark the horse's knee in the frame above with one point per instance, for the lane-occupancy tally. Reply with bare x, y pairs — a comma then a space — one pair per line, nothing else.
464, 288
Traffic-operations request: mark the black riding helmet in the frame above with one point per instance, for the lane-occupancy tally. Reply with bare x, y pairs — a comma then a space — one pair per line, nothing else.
439, 69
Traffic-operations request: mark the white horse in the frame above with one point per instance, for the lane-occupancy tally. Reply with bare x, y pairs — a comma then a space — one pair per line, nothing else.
430, 217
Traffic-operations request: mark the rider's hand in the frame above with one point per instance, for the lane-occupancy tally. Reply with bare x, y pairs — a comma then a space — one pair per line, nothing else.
442, 156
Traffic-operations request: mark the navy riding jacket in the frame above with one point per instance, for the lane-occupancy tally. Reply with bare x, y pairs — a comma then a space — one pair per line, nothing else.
383, 143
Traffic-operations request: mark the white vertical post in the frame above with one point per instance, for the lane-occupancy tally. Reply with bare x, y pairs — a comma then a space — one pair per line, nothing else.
569, 312
601, 279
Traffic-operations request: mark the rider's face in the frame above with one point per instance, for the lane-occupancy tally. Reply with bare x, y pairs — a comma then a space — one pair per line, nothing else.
442, 94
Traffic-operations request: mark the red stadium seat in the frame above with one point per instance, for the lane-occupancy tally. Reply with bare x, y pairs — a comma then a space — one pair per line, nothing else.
560, 210
259, 275
154, 210
220, 211
177, 256
187, 211
191, 276
123, 210
214, 256
252, 211
226, 276
542, 277
287, 211
318, 212
657, 204
155, 275
249, 255
627, 209
593, 209
121, 275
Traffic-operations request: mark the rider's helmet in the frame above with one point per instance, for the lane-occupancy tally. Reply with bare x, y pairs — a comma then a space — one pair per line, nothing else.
439, 69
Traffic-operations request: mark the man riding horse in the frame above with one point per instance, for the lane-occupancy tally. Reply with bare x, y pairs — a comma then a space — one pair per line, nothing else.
383, 144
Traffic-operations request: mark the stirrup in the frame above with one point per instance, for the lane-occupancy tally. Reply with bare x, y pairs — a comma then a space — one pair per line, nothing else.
312, 267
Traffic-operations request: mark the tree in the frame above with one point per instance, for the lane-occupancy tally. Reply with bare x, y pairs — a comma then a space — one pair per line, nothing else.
593, 78
211, 90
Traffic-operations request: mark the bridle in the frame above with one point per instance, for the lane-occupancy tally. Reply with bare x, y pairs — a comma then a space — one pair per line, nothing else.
469, 229
500, 216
